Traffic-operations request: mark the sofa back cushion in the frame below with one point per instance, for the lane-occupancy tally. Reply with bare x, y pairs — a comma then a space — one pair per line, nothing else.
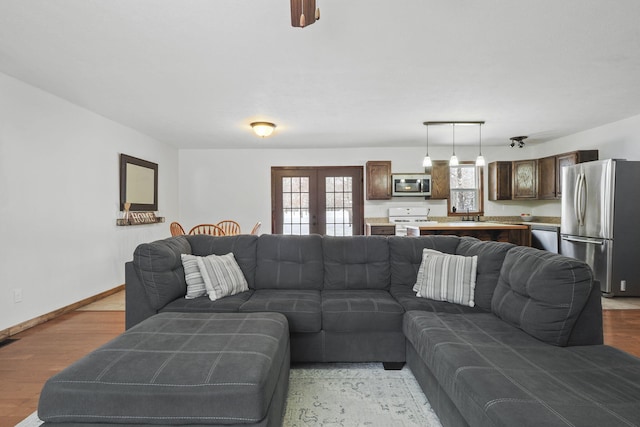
289, 262
356, 262
542, 293
243, 247
490, 259
405, 254
159, 267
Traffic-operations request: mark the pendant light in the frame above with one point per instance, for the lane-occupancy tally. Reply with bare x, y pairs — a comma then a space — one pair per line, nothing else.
302, 20
480, 159
426, 162
453, 161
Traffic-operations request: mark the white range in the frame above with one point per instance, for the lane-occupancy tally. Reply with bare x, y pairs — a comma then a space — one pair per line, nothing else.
402, 217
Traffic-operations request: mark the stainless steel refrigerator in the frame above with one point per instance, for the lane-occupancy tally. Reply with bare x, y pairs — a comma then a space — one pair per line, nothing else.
601, 222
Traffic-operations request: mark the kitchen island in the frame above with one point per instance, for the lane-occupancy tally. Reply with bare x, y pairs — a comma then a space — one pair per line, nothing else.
518, 234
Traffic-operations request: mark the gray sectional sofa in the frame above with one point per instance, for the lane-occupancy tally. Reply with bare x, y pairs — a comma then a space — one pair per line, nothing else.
528, 353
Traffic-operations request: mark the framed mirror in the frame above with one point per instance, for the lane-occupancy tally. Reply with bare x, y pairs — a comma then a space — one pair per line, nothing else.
138, 184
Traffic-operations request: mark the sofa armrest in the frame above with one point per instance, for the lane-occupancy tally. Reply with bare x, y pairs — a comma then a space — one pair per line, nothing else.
588, 327
137, 306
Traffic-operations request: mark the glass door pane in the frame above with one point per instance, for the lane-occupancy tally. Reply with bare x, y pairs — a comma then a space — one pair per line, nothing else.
338, 209
295, 205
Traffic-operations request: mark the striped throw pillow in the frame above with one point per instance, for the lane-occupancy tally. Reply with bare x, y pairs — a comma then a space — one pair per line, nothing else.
445, 277
195, 282
222, 276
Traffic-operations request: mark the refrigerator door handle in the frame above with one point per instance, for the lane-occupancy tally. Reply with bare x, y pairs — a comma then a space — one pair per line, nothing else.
583, 240
583, 197
576, 201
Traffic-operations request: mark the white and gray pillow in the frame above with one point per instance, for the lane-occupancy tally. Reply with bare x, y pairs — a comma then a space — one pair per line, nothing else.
195, 283
445, 277
222, 276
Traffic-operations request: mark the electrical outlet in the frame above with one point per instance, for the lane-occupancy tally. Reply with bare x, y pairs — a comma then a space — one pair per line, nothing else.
17, 295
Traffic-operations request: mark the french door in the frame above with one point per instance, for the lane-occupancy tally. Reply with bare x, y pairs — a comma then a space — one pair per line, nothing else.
317, 200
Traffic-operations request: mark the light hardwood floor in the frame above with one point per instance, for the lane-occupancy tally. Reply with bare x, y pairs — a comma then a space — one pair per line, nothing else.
46, 349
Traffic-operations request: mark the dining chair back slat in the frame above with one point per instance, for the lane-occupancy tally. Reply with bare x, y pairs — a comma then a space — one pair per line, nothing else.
230, 227
211, 229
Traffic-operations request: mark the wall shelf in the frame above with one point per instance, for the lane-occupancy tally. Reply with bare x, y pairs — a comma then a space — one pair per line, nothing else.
139, 218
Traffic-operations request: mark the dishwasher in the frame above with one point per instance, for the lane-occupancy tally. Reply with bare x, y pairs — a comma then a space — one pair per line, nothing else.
545, 237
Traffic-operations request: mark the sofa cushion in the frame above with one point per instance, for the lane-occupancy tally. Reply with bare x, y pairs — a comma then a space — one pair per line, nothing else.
360, 310
222, 276
409, 301
195, 283
490, 259
301, 307
542, 293
242, 246
445, 277
405, 254
289, 262
356, 262
203, 304
159, 267
497, 375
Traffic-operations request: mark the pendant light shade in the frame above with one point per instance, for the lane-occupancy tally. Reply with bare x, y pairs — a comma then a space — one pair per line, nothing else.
453, 161
426, 162
480, 159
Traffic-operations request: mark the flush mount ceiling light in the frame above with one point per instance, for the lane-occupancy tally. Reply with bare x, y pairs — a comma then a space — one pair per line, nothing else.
518, 140
263, 129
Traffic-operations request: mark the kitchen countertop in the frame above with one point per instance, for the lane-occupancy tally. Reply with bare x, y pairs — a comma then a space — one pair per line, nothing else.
470, 224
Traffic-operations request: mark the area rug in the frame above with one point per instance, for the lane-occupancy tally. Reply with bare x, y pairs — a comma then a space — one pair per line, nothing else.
349, 395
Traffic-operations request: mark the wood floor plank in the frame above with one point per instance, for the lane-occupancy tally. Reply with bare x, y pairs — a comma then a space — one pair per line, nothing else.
46, 349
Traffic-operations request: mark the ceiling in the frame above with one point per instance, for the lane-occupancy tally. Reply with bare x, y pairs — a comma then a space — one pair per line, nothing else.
195, 73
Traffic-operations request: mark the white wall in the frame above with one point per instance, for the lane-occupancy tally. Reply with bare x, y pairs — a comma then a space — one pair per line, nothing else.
236, 184
59, 194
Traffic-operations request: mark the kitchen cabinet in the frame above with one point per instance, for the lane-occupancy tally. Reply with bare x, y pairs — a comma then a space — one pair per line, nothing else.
547, 182
525, 179
533, 179
500, 181
440, 179
550, 171
513, 233
569, 159
380, 230
378, 180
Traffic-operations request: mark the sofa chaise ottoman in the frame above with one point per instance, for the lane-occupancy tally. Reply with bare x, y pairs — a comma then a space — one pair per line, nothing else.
178, 369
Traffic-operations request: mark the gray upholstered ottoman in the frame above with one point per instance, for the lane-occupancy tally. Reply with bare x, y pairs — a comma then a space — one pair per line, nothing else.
178, 369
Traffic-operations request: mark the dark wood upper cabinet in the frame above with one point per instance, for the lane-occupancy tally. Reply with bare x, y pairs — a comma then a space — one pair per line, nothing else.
547, 181
378, 180
500, 181
569, 159
440, 179
525, 179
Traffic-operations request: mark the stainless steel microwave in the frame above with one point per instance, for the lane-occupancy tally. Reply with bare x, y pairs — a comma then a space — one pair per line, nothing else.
411, 185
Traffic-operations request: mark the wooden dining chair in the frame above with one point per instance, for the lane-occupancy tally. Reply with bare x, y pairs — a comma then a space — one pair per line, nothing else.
230, 227
256, 228
211, 229
176, 229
